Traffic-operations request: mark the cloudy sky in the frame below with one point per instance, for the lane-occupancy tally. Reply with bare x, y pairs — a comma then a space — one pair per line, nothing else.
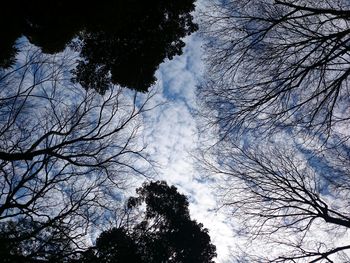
172, 136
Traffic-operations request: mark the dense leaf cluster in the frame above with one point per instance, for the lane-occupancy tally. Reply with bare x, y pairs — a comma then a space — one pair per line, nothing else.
166, 232
120, 42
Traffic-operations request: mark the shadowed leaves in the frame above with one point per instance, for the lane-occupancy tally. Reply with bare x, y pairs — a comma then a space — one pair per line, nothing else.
120, 42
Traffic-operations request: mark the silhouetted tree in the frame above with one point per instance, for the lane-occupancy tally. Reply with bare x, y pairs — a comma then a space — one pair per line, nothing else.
122, 42
292, 205
27, 241
278, 63
66, 154
164, 232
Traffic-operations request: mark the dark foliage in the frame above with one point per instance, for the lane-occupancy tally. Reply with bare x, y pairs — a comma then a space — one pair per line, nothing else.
166, 233
122, 42
26, 241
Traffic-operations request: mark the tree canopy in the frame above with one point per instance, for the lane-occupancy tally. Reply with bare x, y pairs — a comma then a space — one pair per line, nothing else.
163, 233
119, 42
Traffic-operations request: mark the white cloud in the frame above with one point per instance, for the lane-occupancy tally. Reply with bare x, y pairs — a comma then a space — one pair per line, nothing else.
171, 135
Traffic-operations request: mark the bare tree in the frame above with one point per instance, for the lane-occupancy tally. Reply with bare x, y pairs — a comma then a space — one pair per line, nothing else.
292, 208
66, 153
277, 63
281, 66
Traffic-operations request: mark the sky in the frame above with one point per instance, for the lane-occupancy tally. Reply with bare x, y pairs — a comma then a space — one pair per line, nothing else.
171, 136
